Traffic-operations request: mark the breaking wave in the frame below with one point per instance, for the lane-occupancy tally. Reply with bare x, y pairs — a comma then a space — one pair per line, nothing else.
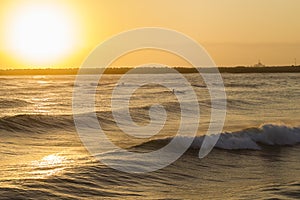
251, 138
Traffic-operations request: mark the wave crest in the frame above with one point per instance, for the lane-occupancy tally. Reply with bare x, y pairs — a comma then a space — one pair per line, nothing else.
251, 138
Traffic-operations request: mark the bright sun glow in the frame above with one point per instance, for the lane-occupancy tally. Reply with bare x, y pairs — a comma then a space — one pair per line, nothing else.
40, 33
49, 165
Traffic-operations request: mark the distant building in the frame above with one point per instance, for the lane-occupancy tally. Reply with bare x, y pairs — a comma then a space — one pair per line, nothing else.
259, 64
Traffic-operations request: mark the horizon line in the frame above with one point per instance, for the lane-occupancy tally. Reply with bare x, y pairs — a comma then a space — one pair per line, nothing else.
126, 66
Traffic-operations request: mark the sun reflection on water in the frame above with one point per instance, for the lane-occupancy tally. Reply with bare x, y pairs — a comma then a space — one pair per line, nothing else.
49, 165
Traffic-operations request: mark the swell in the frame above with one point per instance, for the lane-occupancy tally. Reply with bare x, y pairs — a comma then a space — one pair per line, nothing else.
13, 103
250, 138
35, 122
40, 122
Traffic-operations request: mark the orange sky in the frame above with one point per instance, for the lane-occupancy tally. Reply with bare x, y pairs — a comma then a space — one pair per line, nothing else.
234, 32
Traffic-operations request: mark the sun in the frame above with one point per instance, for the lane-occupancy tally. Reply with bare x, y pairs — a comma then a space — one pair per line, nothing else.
41, 33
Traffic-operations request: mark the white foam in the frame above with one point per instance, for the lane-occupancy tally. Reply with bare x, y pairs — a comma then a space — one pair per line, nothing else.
254, 138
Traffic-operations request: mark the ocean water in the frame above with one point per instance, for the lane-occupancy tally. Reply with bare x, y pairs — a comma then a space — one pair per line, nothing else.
256, 156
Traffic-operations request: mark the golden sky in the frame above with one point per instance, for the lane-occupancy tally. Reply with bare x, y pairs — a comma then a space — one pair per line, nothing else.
61, 33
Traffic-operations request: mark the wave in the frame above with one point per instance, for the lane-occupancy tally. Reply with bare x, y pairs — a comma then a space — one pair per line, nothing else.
42, 122
13, 103
251, 138
36, 122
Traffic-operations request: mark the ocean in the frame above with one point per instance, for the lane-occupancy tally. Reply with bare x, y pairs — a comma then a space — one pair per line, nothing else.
256, 156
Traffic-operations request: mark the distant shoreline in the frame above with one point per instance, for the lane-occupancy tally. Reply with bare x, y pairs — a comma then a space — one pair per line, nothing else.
151, 70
